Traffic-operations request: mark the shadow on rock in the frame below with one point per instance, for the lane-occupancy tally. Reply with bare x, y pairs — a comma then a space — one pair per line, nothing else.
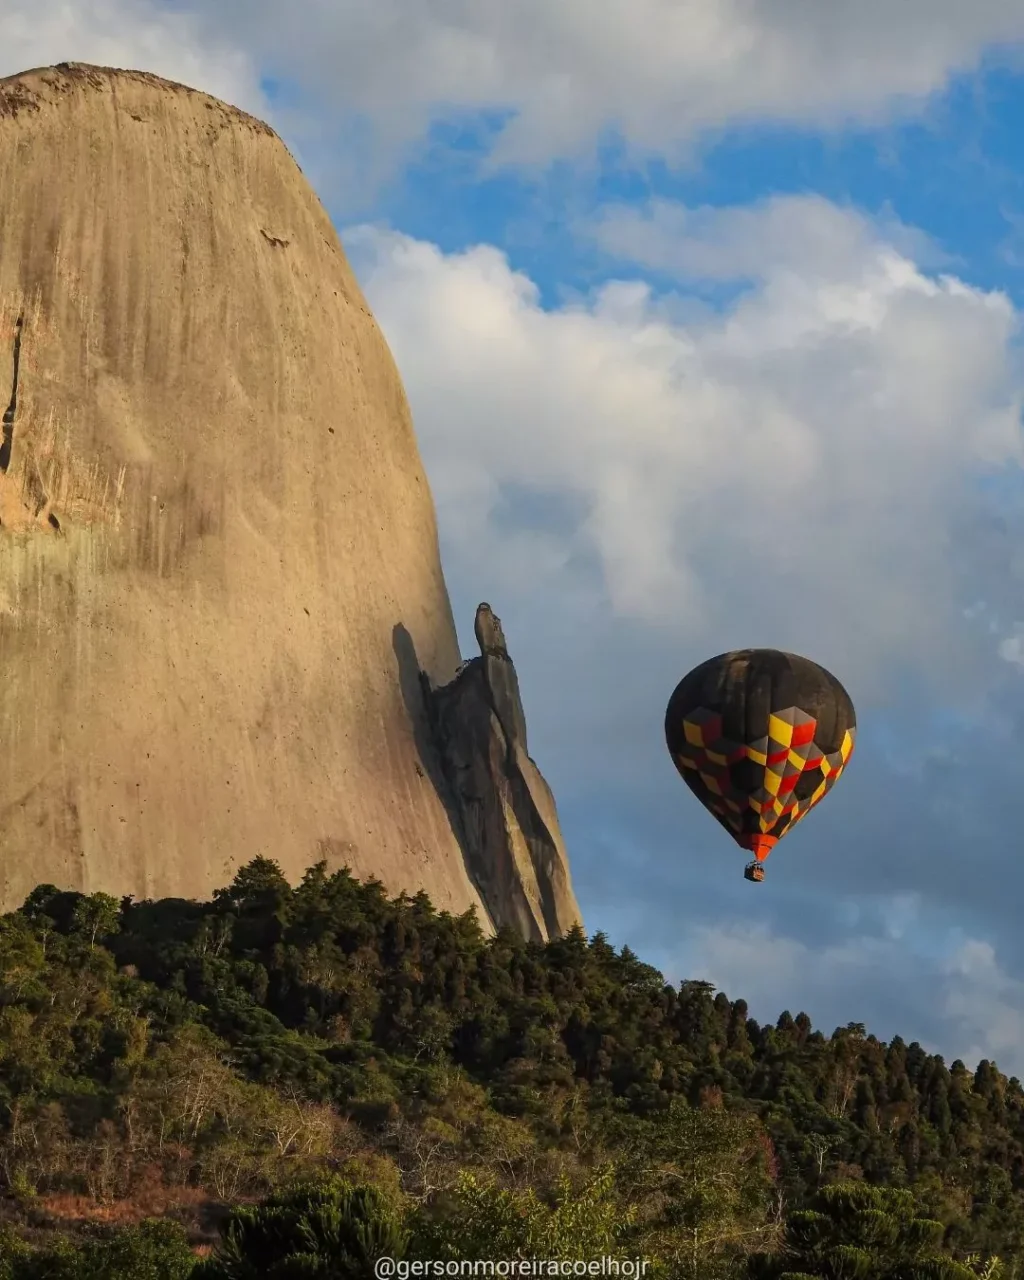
471, 737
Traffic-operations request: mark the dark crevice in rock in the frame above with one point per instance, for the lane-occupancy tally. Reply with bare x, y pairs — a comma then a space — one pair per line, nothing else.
415, 689
7, 443
274, 240
36, 498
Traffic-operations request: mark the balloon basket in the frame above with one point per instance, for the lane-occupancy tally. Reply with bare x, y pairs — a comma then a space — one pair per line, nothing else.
754, 871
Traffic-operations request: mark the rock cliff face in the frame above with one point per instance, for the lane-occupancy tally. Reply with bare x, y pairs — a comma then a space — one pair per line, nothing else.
219, 571
504, 806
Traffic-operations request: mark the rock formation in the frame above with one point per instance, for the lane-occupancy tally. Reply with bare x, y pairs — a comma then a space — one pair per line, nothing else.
219, 570
505, 808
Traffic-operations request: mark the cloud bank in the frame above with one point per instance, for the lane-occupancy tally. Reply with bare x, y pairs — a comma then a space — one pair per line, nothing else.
553, 79
795, 467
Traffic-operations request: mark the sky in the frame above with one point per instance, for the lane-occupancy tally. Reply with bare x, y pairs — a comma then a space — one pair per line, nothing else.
709, 315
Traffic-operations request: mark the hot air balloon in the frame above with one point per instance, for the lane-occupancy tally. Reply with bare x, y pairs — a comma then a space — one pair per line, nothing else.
760, 736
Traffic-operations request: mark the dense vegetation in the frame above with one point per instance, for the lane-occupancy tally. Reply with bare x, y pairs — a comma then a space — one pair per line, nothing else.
308, 1078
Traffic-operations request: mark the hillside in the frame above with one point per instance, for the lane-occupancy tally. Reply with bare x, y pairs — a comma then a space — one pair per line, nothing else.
168, 1057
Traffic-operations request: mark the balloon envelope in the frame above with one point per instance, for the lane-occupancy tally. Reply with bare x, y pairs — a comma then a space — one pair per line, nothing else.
760, 737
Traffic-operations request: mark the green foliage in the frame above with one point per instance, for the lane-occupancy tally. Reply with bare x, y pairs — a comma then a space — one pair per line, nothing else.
479, 1219
275, 1035
332, 1231
703, 1179
150, 1251
853, 1231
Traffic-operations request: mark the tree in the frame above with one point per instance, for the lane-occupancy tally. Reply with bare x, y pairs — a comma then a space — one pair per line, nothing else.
150, 1251
96, 916
330, 1230
231, 1044
821, 1144
479, 1219
703, 1179
854, 1231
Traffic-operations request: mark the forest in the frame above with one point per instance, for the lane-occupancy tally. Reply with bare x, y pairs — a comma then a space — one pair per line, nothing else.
287, 1082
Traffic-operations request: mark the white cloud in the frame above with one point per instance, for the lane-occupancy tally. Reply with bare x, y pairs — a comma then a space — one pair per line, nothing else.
809, 235
1011, 649
794, 470
986, 1004
658, 71
831, 983
974, 1008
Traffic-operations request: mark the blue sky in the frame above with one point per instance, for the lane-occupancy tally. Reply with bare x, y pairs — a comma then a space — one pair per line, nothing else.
955, 172
708, 314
